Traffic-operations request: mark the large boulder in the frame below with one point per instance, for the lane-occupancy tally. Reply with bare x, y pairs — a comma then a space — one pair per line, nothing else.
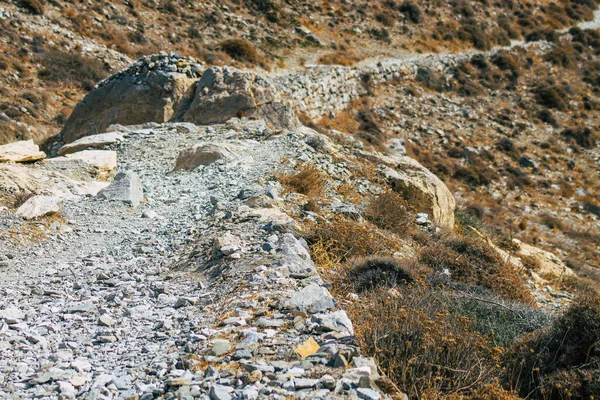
151, 90
39, 206
126, 187
22, 151
423, 190
224, 93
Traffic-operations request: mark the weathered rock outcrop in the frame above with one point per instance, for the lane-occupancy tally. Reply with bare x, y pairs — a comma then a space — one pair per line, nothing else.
22, 151
149, 91
424, 191
224, 93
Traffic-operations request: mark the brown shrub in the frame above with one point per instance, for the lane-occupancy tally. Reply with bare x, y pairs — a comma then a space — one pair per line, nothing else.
420, 345
345, 58
342, 239
552, 96
33, 6
240, 50
369, 273
19, 198
563, 361
390, 211
474, 262
71, 68
309, 180
584, 137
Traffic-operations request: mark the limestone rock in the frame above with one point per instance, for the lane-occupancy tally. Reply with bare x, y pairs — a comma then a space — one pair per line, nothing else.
548, 263
39, 206
103, 160
204, 154
22, 151
126, 187
424, 191
224, 93
17, 178
92, 141
313, 298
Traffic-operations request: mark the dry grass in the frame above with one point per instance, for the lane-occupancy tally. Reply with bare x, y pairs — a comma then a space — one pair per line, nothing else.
563, 361
344, 58
71, 68
474, 262
240, 50
309, 180
390, 211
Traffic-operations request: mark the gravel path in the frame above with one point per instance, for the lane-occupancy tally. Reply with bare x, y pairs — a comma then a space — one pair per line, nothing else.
96, 311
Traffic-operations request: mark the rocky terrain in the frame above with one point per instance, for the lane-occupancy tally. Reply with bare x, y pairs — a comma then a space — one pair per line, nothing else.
191, 229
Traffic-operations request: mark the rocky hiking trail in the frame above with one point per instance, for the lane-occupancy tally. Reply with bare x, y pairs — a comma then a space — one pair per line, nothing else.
97, 310
185, 278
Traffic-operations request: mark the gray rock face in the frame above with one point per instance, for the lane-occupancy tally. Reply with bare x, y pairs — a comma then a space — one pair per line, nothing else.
39, 206
126, 187
224, 93
149, 91
313, 299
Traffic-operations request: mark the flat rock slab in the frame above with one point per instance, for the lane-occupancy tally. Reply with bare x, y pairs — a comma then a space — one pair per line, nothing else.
104, 160
126, 187
313, 299
22, 151
205, 154
39, 206
93, 141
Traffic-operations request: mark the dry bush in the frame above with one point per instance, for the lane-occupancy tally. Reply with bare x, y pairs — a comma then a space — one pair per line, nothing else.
71, 68
309, 180
345, 58
33, 6
584, 137
563, 362
369, 130
342, 239
390, 211
370, 273
552, 96
412, 11
240, 50
420, 344
474, 262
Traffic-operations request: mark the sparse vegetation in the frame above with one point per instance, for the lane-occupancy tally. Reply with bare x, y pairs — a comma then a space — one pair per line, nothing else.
309, 180
240, 50
345, 58
33, 6
71, 68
